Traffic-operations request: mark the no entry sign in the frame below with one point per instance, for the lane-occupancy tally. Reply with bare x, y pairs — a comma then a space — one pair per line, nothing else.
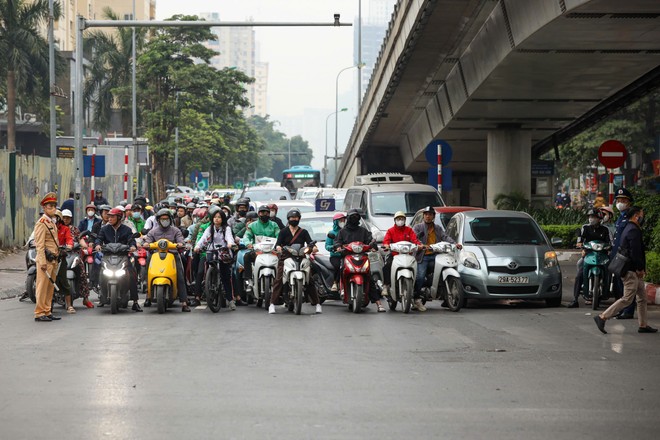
612, 154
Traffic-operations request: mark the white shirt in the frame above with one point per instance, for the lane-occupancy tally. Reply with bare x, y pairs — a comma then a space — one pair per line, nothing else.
218, 239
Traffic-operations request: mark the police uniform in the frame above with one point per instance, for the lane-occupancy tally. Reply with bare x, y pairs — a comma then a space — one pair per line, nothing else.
45, 239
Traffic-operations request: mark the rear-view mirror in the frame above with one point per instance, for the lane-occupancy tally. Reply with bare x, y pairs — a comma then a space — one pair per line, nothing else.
556, 241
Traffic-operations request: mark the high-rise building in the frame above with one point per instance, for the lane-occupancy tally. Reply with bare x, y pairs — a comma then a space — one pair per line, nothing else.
144, 9
236, 48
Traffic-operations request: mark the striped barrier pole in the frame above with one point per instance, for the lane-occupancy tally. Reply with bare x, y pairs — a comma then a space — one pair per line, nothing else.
611, 186
93, 173
126, 172
440, 168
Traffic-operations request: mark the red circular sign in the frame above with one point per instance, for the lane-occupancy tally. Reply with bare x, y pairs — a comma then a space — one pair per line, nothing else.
612, 154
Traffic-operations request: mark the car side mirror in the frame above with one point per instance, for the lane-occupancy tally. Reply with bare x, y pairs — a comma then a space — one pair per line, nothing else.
556, 241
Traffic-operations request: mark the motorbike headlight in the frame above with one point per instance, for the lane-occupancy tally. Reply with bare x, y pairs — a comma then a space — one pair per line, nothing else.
597, 246
108, 273
550, 259
469, 259
357, 248
120, 273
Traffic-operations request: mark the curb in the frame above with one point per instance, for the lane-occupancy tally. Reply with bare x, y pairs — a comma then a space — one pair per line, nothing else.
11, 292
652, 293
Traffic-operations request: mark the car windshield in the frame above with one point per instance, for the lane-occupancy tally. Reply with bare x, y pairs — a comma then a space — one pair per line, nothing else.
267, 194
386, 204
318, 228
503, 230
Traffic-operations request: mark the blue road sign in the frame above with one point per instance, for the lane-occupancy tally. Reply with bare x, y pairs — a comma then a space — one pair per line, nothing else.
432, 152
446, 178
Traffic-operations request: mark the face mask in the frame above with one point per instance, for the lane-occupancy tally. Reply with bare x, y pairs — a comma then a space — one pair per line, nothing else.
90, 213
294, 222
621, 206
400, 222
341, 224
354, 220
264, 218
242, 213
593, 221
136, 215
164, 223
272, 214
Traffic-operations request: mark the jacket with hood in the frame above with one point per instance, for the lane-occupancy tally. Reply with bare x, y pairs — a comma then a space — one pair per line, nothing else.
330, 242
350, 233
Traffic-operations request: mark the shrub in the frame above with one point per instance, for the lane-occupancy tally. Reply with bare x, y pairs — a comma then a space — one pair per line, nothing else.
515, 201
652, 267
565, 232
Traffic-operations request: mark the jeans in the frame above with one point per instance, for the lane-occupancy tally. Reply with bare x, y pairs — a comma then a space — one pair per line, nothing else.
422, 268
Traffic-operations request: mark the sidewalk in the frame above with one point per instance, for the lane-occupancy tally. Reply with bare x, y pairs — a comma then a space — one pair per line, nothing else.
12, 272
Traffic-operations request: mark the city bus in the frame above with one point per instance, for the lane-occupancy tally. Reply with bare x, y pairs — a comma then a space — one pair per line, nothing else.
300, 176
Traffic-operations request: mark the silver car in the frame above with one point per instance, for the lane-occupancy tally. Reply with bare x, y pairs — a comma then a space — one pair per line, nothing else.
505, 255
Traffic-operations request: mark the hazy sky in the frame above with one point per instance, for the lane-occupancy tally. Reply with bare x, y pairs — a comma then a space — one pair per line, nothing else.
303, 62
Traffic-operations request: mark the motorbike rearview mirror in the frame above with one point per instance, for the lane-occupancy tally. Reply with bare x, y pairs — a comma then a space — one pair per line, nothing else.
185, 233
331, 235
145, 231
84, 234
136, 235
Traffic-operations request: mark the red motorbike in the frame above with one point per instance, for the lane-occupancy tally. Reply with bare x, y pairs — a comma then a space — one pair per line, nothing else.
141, 266
355, 280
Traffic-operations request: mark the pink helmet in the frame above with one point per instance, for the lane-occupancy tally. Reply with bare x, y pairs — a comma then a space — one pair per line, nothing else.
608, 210
338, 216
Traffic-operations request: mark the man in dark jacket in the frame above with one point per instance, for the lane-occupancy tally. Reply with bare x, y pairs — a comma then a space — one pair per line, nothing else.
116, 232
623, 200
591, 231
354, 232
633, 275
68, 203
99, 199
428, 233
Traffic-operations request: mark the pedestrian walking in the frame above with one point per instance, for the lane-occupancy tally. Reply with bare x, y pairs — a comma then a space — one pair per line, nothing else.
633, 275
47, 245
68, 203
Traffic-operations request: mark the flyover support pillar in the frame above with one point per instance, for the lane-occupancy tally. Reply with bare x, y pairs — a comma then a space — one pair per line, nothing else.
509, 163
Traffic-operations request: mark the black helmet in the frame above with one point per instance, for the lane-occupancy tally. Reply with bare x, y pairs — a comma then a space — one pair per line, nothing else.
428, 209
251, 215
293, 213
242, 202
263, 208
595, 213
212, 210
180, 205
191, 205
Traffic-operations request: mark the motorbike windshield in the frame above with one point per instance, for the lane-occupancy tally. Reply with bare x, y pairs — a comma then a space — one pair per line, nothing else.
386, 204
503, 230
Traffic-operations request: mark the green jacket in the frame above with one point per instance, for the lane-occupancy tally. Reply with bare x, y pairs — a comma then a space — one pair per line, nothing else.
138, 223
202, 227
239, 229
256, 228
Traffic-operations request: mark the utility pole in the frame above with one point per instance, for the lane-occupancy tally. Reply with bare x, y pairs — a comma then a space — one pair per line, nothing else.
135, 147
51, 81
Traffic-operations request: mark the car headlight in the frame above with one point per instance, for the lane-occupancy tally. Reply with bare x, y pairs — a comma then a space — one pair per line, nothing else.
469, 259
550, 259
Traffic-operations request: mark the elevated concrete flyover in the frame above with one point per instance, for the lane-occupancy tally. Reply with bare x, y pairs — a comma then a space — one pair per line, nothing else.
500, 81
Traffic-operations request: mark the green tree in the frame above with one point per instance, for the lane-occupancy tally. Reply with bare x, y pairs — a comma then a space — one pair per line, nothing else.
109, 82
24, 55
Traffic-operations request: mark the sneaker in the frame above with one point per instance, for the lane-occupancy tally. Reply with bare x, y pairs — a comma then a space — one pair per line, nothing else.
249, 286
136, 307
232, 305
87, 303
419, 306
319, 310
334, 287
271, 309
147, 303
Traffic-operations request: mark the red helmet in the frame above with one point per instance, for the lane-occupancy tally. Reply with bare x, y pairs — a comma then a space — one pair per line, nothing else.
339, 215
92, 206
201, 212
129, 206
115, 211
272, 207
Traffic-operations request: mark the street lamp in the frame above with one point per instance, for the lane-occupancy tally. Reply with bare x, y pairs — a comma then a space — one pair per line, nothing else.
325, 157
359, 66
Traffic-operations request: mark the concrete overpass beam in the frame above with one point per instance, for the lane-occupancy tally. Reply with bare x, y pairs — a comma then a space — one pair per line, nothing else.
509, 163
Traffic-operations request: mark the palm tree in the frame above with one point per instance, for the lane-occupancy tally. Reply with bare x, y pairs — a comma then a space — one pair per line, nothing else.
24, 54
109, 82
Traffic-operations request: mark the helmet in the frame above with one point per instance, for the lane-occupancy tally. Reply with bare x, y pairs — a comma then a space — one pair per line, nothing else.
212, 211
293, 213
180, 205
190, 206
90, 206
105, 208
242, 202
215, 201
58, 214
129, 206
149, 208
226, 208
251, 215
428, 209
200, 212
595, 213
123, 203
194, 200
622, 192
171, 204
339, 216
400, 214
121, 208
66, 213
273, 207
116, 211
263, 208
607, 209
164, 211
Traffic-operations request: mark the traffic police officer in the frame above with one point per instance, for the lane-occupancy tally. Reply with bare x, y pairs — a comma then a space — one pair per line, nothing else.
47, 244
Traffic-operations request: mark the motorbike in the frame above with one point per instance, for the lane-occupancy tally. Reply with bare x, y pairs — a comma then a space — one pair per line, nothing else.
114, 278
296, 275
402, 278
355, 279
141, 267
323, 277
215, 292
73, 262
31, 266
442, 279
161, 275
264, 272
240, 283
596, 260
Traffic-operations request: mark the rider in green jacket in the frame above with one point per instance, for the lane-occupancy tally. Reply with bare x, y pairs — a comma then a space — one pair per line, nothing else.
264, 227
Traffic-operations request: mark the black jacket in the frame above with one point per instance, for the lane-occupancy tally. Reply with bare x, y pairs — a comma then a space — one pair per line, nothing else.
631, 240
122, 234
593, 233
350, 234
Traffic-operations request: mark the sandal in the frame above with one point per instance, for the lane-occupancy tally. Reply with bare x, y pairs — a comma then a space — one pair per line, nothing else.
381, 309
70, 310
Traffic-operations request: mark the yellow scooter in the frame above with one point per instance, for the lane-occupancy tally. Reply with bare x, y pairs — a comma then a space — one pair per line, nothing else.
161, 275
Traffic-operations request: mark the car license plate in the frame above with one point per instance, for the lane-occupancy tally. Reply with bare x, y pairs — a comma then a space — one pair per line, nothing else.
513, 280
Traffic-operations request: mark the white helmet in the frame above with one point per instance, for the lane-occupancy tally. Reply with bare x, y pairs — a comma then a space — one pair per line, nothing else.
66, 213
121, 208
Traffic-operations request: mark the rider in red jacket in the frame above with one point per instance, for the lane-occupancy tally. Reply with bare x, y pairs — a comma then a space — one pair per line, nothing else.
399, 232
